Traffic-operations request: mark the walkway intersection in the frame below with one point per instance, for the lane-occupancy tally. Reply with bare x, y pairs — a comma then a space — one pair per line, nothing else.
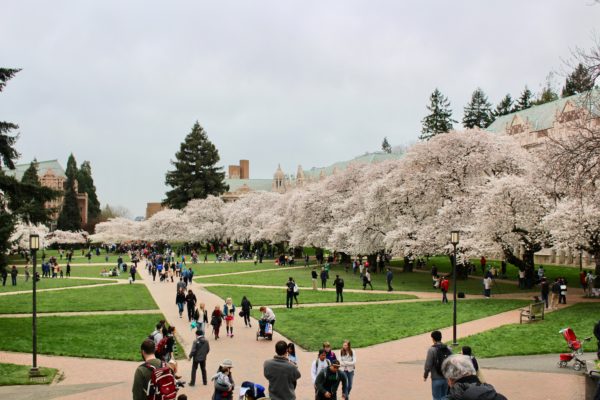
391, 370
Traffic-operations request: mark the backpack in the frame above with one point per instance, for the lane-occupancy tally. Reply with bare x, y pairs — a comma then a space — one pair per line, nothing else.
153, 335
161, 346
442, 352
162, 384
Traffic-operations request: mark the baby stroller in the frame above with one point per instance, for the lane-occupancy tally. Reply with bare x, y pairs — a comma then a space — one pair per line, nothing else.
576, 347
265, 330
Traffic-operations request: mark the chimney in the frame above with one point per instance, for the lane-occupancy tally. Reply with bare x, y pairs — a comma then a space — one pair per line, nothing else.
244, 169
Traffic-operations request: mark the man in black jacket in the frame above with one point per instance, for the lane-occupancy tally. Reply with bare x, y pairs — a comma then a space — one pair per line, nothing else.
597, 334
339, 289
200, 350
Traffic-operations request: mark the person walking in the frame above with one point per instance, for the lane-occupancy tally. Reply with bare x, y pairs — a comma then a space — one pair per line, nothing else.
487, 286
319, 364
444, 285
339, 289
26, 273
562, 298
281, 374
13, 275
367, 279
180, 301
190, 301
545, 290
289, 297
555, 289
328, 382
4, 276
246, 307
437, 352
143, 372
216, 320
228, 314
323, 278
223, 381
597, 334
389, 276
314, 277
200, 350
348, 364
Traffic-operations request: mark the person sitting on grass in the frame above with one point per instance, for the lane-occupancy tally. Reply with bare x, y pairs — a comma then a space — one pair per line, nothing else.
462, 380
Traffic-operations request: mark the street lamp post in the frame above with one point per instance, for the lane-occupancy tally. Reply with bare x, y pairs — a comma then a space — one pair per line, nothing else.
454, 239
34, 245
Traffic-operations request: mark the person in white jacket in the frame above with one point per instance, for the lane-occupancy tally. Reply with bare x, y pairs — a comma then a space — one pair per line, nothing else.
319, 364
348, 363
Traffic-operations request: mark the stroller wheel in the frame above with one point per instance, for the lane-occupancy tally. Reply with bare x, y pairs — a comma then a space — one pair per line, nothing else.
562, 364
577, 366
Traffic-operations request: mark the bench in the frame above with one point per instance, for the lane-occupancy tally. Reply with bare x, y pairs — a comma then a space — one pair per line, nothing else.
534, 312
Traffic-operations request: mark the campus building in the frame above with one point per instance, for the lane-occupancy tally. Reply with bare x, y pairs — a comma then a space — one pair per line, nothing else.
533, 127
52, 175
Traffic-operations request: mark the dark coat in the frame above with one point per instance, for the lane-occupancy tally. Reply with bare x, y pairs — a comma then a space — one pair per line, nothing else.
469, 388
200, 349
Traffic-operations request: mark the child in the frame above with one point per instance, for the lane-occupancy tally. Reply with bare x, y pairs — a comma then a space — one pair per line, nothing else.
466, 351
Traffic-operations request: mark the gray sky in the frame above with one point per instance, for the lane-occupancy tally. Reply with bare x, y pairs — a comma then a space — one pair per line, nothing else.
120, 83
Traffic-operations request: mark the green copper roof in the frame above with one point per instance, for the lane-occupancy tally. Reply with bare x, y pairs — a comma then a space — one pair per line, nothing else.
367, 158
43, 166
542, 117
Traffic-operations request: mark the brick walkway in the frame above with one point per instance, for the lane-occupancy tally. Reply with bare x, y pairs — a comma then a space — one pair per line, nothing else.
390, 370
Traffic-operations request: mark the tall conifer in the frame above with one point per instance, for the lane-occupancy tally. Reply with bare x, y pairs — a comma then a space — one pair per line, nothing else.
70, 216
440, 120
196, 175
478, 112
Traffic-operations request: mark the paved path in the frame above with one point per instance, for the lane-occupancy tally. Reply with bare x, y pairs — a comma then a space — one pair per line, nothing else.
391, 370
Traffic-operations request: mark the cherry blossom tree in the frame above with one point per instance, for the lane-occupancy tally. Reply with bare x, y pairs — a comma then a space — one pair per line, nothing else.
575, 225
510, 220
66, 237
166, 225
116, 230
20, 236
204, 219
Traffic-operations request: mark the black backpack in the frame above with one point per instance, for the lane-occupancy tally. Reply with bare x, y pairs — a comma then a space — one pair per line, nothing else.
442, 352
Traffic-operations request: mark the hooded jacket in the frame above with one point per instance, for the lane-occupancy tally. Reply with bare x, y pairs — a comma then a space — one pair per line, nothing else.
469, 388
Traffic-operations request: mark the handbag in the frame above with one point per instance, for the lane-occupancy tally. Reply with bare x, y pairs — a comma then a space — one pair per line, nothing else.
241, 314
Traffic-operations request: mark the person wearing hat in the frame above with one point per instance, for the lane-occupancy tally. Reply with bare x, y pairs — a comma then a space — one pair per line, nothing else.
328, 382
198, 354
223, 381
281, 374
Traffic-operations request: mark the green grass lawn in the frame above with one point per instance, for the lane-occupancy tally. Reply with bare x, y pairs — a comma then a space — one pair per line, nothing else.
115, 337
86, 271
225, 268
541, 337
77, 258
405, 281
48, 283
371, 324
105, 298
260, 297
12, 374
512, 272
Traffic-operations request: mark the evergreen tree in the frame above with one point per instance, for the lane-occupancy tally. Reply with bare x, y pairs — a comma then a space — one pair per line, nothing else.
440, 120
86, 185
70, 216
385, 146
524, 101
16, 196
578, 81
548, 95
33, 206
504, 107
478, 113
196, 175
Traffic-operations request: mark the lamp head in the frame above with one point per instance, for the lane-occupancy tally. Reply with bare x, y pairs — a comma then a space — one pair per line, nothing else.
34, 242
454, 237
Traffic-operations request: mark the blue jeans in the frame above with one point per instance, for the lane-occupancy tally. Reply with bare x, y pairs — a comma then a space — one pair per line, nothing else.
180, 306
350, 377
439, 389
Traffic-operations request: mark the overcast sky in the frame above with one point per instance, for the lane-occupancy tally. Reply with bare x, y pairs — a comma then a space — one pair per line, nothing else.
120, 83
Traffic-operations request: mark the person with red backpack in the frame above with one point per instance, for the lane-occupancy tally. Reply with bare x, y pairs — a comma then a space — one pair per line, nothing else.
153, 379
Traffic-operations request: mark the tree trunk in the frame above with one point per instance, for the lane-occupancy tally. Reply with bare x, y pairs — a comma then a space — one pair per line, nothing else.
345, 258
